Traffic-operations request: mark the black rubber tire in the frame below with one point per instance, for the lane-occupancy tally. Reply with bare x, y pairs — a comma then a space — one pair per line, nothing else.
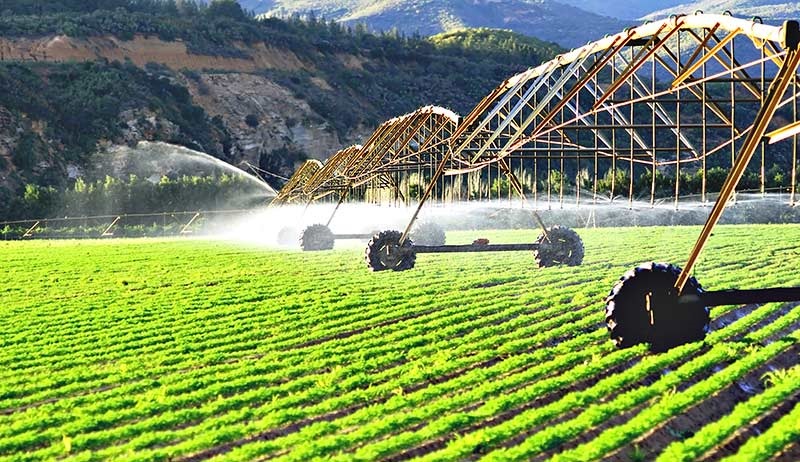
642, 308
428, 233
288, 236
316, 237
385, 252
562, 246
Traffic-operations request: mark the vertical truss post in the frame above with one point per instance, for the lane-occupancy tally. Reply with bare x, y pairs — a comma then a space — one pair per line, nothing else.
704, 121
632, 118
794, 144
613, 138
677, 132
578, 155
733, 115
596, 149
561, 168
549, 175
762, 119
653, 135
763, 142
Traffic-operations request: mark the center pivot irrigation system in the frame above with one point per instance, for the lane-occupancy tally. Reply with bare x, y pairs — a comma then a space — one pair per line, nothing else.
415, 144
687, 92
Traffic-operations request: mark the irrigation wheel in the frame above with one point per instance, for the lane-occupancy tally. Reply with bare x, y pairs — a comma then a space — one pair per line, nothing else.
288, 236
428, 233
561, 246
643, 308
385, 252
316, 237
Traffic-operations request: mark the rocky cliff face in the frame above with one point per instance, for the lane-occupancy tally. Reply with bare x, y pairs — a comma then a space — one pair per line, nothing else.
10, 131
268, 125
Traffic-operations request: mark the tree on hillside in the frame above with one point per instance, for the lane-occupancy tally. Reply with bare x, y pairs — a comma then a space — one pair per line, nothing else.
226, 8
42, 7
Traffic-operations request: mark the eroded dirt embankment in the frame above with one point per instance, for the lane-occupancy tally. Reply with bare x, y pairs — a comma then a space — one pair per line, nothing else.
142, 50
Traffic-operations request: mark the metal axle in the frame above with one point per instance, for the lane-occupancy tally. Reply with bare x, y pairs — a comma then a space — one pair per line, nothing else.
352, 236
473, 248
742, 297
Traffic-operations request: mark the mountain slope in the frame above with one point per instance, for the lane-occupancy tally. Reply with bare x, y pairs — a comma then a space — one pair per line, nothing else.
771, 11
623, 9
545, 19
74, 84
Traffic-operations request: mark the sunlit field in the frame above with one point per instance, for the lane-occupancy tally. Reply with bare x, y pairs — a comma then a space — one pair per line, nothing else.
190, 349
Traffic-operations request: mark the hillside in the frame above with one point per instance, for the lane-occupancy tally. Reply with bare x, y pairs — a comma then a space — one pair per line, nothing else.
623, 9
544, 19
771, 11
266, 92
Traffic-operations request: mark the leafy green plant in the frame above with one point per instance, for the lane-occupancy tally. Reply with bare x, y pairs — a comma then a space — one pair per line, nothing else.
169, 348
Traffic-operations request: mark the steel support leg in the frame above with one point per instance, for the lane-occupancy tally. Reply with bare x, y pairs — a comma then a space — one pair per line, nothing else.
342, 197
764, 116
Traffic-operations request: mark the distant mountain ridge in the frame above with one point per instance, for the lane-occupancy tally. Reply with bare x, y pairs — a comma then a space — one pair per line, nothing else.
624, 9
547, 20
770, 11
569, 23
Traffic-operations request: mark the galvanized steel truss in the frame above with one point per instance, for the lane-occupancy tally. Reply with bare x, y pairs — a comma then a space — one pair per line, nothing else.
667, 95
400, 145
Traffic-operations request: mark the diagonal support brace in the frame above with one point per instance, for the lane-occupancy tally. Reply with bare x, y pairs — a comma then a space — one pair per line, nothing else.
764, 116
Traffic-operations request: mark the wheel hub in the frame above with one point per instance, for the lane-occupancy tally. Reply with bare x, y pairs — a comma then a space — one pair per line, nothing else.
391, 255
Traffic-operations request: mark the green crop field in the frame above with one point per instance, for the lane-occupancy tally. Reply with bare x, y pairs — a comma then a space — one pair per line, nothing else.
199, 349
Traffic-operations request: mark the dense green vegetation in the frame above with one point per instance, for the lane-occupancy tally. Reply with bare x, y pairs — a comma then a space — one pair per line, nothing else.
135, 195
474, 43
461, 67
206, 29
39, 7
82, 103
400, 73
187, 349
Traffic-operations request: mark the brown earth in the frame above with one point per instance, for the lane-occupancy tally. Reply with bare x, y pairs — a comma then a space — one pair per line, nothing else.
142, 50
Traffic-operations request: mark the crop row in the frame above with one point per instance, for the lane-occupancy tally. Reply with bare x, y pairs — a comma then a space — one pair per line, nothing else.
247, 354
212, 390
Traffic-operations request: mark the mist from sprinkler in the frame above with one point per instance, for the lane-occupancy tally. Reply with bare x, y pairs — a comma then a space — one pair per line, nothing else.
262, 227
154, 159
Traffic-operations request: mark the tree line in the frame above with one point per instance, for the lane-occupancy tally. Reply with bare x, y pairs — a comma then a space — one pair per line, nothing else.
618, 182
134, 195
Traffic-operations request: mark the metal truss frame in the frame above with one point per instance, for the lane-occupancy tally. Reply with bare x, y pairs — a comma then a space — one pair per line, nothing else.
666, 95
